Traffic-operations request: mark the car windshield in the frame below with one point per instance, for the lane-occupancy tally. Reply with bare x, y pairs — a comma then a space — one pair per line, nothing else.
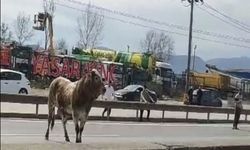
131, 87
166, 72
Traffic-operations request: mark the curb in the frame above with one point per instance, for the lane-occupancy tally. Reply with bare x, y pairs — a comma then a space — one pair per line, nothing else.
235, 147
157, 120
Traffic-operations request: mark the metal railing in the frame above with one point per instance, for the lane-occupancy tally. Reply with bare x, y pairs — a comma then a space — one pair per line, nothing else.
41, 100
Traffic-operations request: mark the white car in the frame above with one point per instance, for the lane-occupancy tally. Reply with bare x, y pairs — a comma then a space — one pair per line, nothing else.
14, 82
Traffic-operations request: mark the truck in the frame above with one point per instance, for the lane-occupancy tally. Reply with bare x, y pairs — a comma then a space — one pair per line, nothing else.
210, 80
164, 78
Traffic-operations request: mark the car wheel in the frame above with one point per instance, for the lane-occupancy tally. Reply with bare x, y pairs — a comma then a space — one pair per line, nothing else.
23, 91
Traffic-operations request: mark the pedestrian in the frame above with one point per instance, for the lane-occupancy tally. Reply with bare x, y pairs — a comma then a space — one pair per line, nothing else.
199, 96
103, 90
108, 95
238, 108
190, 95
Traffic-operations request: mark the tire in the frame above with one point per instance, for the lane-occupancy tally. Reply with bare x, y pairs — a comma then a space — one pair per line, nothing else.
23, 91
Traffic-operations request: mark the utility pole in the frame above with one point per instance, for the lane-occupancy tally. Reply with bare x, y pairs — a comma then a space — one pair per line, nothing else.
194, 56
190, 42
128, 48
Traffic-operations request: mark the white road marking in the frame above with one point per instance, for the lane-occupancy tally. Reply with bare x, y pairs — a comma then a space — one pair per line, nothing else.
132, 124
58, 135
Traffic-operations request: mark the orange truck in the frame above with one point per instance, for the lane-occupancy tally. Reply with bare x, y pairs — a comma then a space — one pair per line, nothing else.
210, 80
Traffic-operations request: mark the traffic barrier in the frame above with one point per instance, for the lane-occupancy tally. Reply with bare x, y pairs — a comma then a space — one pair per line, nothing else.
42, 100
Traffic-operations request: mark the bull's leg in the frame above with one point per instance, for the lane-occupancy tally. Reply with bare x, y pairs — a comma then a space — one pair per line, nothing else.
82, 124
64, 121
76, 120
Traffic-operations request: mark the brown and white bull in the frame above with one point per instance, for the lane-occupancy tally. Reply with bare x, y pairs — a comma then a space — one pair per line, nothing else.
73, 99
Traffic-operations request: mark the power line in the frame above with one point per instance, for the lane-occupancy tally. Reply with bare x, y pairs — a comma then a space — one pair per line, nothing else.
155, 28
179, 27
240, 23
235, 21
240, 28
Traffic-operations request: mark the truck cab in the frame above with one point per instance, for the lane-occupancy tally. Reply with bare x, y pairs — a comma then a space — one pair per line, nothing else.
164, 76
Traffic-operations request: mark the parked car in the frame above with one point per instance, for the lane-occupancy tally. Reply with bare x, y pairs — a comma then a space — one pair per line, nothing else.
129, 93
209, 97
14, 82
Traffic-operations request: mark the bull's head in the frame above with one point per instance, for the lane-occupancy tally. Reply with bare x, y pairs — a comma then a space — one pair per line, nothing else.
94, 82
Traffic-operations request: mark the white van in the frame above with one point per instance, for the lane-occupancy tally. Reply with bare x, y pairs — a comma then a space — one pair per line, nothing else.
14, 82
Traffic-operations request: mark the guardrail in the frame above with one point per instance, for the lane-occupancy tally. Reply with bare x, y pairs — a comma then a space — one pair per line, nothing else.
41, 100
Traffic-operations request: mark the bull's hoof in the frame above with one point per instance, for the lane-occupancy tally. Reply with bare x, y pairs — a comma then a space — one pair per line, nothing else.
78, 141
46, 137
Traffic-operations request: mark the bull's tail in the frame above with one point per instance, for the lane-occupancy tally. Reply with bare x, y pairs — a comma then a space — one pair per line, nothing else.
51, 116
52, 103
51, 108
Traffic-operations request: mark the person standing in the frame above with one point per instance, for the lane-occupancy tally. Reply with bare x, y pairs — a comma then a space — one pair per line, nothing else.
190, 95
103, 90
238, 108
199, 96
108, 95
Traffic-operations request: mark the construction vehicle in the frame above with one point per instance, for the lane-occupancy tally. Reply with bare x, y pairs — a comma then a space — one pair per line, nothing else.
210, 80
239, 78
44, 21
225, 81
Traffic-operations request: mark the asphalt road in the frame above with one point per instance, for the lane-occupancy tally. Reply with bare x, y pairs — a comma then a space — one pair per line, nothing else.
122, 135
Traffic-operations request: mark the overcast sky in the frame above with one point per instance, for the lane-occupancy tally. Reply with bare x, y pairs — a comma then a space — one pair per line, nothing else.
117, 35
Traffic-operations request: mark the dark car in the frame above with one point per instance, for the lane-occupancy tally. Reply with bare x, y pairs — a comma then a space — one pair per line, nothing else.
209, 97
129, 93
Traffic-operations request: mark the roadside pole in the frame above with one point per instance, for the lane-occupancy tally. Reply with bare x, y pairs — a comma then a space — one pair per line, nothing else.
190, 42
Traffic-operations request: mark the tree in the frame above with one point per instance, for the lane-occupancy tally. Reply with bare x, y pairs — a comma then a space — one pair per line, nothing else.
158, 43
6, 34
23, 28
89, 28
62, 46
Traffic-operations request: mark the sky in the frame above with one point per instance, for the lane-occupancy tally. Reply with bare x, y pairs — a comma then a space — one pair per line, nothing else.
171, 14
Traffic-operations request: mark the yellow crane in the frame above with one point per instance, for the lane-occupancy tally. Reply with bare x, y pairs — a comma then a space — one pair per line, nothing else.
44, 21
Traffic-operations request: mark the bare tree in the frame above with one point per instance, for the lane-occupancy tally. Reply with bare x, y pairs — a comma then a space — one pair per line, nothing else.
62, 46
158, 43
23, 28
6, 34
89, 28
